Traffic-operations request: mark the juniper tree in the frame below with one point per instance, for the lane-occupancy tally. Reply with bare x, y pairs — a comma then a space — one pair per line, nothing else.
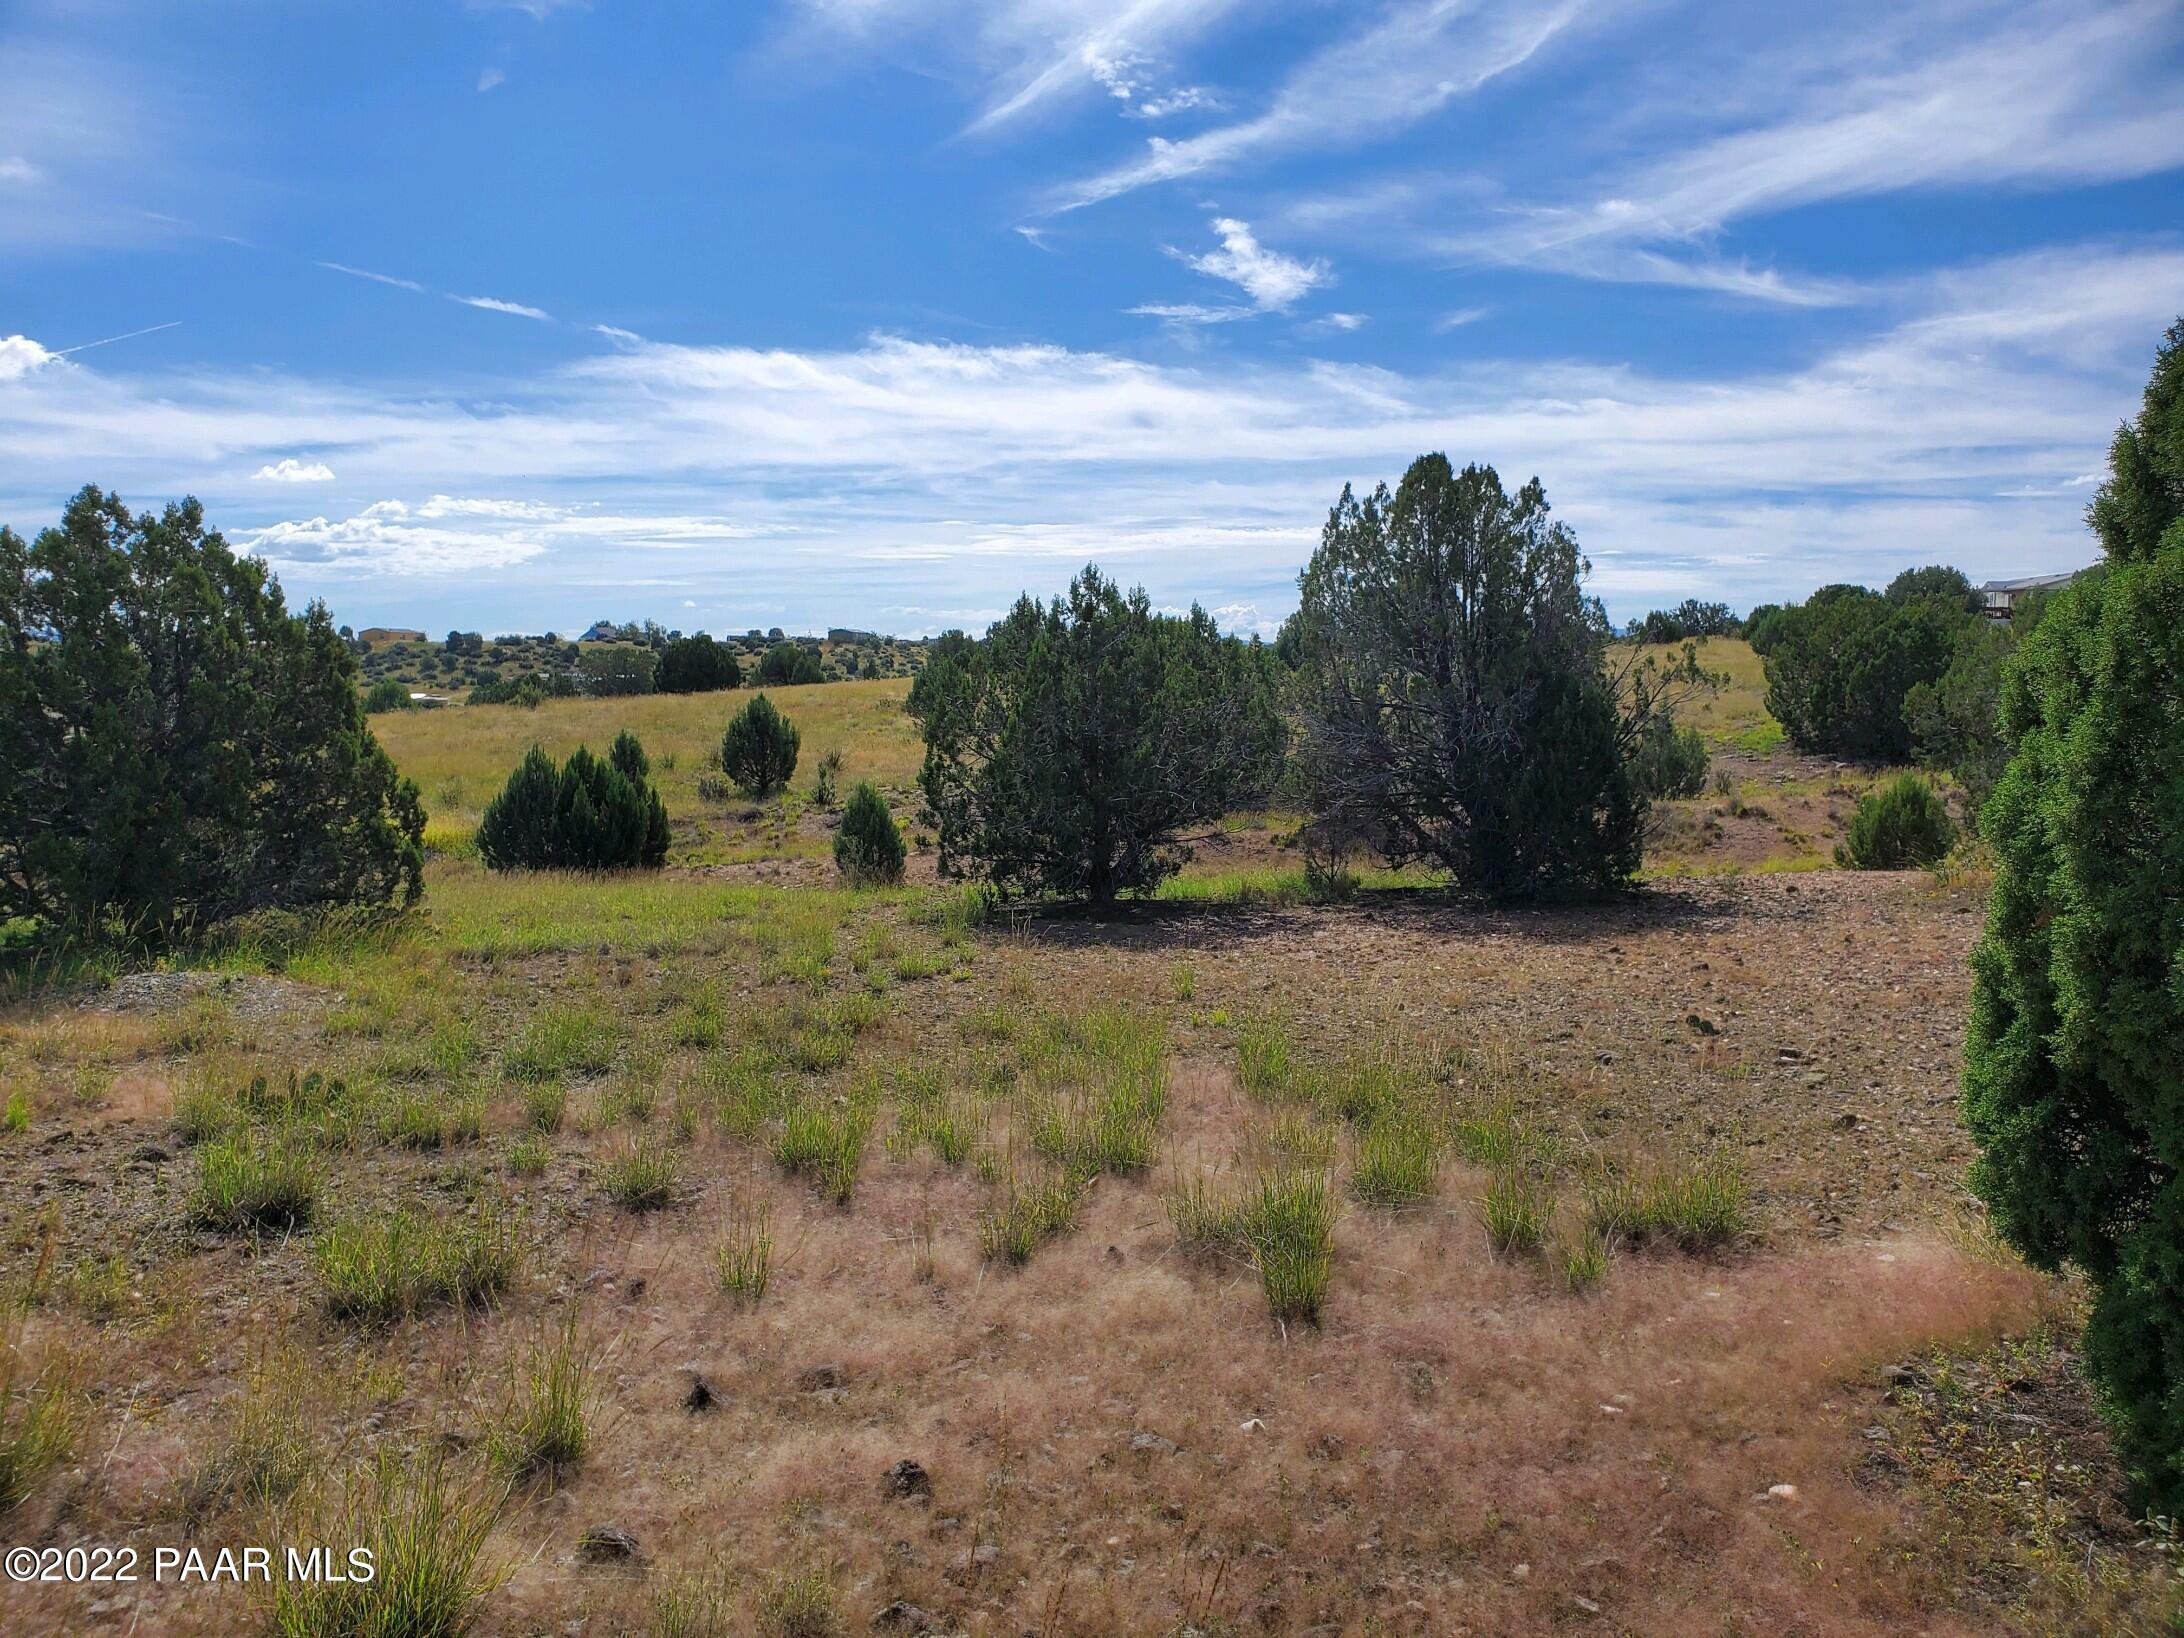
177, 746
1454, 694
1067, 752
760, 747
2073, 1077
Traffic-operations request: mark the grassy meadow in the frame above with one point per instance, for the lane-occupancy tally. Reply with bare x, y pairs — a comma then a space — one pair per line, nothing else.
722, 1251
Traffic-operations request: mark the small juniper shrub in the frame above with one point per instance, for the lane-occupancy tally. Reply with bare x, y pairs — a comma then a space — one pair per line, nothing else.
868, 849
826, 780
1902, 825
759, 749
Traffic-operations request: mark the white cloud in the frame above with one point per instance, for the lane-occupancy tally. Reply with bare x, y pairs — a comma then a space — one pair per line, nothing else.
376, 278
2058, 94
1415, 60
15, 170
290, 470
1339, 321
903, 472
1272, 281
493, 304
1189, 312
614, 332
1457, 319
492, 78
19, 355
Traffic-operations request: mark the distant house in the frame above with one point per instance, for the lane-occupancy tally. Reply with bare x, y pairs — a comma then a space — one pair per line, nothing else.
429, 702
602, 631
848, 635
2001, 597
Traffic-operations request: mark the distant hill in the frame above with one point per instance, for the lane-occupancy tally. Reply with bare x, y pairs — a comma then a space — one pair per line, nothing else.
376, 635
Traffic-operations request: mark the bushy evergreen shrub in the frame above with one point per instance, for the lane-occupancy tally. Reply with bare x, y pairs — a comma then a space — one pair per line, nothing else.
1671, 761
786, 664
2073, 1076
868, 848
696, 665
760, 747
1904, 823
386, 695
1841, 664
178, 748
1454, 692
1067, 751
586, 814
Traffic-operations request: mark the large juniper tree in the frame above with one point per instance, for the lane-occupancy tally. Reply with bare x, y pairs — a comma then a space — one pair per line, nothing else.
175, 746
1067, 752
2074, 1065
1454, 693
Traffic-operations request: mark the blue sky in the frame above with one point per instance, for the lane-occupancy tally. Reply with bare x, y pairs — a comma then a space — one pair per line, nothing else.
876, 312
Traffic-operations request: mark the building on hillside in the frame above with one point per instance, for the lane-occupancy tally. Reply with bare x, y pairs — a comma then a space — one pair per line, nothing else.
845, 634
2001, 597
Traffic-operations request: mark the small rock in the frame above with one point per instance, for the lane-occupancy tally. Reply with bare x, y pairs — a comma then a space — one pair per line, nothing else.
701, 1396
1152, 1444
1523, 1572
607, 1544
1782, 1492
907, 1478
820, 1377
1114, 1256
1584, 1603
902, 1616
1847, 1121
1702, 1026
149, 1154
1251, 1424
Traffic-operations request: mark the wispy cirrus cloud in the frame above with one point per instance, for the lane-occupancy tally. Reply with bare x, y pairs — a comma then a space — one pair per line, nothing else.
493, 304
2042, 95
1412, 62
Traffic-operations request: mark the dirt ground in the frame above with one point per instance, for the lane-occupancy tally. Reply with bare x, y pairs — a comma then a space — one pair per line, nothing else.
1783, 1436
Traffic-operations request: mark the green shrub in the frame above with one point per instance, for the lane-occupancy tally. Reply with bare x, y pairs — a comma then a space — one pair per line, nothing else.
868, 848
586, 814
386, 695
1068, 751
2073, 1081
1671, 761
759, 749
789, 664
178, 747
697, 665
1904, 823
1456, 701
1843, 663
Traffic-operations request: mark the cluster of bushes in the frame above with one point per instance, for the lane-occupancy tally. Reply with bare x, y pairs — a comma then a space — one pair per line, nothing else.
1442, 694
1689, 621
587, 813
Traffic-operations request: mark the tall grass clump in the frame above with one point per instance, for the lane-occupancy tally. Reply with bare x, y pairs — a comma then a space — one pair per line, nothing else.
392, 1265
545, 1427
826, 1143
42, 1401
248, 1183
744, 1257
261, 1452
1013, 1228
1700, 1205
427, 1536
560, 1040
800, 1603
643, 1176
1396, 1164
1515, 1209
1265, 1060
545, 1106
1289, 1224
1203, 1218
